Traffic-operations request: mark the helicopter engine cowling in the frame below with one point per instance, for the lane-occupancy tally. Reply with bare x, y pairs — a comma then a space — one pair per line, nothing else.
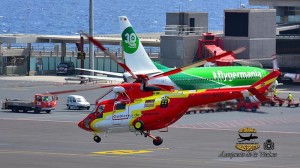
118, 89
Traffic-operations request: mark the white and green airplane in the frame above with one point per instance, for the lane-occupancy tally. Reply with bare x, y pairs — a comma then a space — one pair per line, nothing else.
139, 62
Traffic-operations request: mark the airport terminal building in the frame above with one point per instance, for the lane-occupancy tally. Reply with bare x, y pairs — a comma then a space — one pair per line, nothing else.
278, 33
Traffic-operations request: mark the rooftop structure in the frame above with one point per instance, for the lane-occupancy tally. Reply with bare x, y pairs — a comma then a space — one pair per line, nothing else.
287, 11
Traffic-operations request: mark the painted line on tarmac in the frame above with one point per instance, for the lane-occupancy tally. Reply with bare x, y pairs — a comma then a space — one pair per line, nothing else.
39, 120
234, 129
191, 126
287, 91
112, 152
39, 153
127, 152
179, 160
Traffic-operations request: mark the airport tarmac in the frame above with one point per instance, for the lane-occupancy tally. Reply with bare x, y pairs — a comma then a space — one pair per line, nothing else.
196, 140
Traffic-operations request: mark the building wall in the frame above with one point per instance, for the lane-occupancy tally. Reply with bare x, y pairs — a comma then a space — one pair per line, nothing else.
178, 50
261, 39
275, 2
179, 23
182, 18
262, 23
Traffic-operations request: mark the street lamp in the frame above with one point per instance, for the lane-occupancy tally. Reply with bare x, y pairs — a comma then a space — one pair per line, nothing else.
91, 32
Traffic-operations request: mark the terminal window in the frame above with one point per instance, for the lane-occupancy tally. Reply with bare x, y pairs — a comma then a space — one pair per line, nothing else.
236, 24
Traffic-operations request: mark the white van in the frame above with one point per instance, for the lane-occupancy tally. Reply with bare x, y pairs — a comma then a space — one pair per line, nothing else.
77, 102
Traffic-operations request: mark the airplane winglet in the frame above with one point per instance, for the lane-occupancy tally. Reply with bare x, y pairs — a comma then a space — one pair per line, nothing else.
260, 87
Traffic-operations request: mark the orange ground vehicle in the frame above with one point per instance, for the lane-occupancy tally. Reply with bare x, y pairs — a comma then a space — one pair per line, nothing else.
247, 104
273, 101
214, 107
294, 102
42, 102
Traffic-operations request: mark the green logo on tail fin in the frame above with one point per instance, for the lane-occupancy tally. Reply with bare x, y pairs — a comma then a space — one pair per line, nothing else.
130, 41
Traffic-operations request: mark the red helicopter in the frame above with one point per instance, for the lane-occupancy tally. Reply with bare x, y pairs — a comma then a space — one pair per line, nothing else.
141, 108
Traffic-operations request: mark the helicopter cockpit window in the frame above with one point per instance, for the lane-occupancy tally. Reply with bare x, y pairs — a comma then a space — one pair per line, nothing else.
120, 105
101, 108
99, 111
109, 95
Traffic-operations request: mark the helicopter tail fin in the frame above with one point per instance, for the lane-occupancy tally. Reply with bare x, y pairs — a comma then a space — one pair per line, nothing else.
260, 87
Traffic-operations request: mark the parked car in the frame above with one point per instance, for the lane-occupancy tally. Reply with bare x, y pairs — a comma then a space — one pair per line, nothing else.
77, 102
65, 68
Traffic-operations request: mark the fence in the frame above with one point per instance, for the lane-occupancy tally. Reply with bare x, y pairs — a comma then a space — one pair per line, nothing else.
44, 61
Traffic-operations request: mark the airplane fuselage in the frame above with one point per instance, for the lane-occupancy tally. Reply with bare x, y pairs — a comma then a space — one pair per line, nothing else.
216, 77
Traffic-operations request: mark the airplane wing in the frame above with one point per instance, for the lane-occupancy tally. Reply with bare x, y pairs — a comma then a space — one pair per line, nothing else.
102, 72
102, 78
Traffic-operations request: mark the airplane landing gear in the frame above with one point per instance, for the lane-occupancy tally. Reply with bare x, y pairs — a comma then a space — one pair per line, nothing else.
97, 139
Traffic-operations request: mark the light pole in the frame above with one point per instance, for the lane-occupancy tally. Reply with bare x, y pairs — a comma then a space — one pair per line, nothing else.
91, 32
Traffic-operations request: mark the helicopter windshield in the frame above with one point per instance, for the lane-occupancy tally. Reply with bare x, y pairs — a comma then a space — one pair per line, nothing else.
47, 98
98, 111
109, 95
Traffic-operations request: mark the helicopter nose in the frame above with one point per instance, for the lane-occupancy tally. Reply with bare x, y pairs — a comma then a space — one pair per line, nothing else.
85, 124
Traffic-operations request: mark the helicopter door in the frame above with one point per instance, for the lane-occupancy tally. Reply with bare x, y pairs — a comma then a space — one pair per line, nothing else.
120, 116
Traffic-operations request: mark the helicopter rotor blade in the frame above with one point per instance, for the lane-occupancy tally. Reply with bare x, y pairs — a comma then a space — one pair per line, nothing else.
79, 90
111, 55
199, 63
172, 72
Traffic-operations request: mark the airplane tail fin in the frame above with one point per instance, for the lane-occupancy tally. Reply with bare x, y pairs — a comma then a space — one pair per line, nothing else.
275, 63
160, 66
260, 87
135, 54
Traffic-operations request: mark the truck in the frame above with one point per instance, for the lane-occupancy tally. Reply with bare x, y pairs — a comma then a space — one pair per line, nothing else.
247, 104
41, 102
